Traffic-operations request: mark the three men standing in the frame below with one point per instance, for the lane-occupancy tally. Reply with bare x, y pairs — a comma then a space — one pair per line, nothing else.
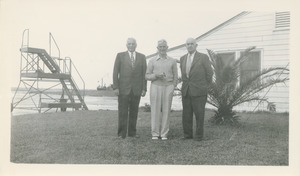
129, 84
196, 76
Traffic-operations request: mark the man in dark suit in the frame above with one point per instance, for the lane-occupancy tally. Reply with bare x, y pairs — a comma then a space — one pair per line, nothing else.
196, 76
129, 84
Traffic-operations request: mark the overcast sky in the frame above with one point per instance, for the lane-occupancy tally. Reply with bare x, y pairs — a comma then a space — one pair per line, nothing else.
92, 32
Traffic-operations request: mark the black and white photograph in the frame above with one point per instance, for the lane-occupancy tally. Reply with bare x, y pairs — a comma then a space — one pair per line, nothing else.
149, 87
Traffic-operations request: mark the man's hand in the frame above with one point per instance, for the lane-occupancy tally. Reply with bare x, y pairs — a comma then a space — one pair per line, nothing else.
116, 91
143, 93
160, 76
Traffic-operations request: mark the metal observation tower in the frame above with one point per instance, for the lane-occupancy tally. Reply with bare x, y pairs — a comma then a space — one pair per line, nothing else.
46, 81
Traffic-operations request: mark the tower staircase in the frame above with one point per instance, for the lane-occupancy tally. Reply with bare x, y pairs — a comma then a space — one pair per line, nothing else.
46, 80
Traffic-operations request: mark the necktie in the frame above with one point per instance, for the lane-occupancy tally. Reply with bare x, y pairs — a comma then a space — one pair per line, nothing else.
188, 65
132, 60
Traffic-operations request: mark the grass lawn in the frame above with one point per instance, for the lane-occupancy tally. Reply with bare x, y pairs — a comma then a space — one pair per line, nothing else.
89, 137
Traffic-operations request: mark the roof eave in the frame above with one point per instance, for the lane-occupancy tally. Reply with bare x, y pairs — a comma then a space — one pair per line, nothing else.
207, 33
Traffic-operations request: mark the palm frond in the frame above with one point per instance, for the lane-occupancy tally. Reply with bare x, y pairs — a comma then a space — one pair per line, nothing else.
225, 92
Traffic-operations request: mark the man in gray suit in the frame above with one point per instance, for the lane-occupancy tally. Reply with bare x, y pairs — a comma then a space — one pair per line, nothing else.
196, 76
129, 84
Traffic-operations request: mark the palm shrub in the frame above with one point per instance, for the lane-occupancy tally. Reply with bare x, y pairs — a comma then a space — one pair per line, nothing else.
225, 92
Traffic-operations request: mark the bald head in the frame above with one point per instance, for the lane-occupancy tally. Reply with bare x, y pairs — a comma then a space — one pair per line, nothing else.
191, 45
191, 40
131, 40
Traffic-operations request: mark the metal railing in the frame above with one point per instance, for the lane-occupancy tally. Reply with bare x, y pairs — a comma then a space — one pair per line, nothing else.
70, 71
32, 62
50, 44
27, 38
22, 45
64, 65
67, 64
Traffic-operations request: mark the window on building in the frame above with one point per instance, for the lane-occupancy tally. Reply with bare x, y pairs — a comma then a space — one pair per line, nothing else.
225, 60
250, 67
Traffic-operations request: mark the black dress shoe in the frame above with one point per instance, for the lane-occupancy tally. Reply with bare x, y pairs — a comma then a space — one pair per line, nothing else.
198, 139
135, 136
186, 138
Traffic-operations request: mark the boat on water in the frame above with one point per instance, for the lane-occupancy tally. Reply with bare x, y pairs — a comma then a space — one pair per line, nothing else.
102, 86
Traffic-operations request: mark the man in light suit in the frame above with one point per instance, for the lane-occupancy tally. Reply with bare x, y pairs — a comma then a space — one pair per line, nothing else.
196, 76
163, 74
129, 84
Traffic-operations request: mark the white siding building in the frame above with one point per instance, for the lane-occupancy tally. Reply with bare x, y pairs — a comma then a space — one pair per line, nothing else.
269, 32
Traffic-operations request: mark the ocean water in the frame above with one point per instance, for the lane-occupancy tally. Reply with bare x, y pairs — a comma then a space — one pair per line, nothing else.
92, 102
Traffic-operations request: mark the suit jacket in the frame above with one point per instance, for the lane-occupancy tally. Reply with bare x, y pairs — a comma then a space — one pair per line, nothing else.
200, 75
127, 78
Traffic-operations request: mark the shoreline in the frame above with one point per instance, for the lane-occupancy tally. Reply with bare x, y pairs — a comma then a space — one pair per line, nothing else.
88, 92
143, 109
